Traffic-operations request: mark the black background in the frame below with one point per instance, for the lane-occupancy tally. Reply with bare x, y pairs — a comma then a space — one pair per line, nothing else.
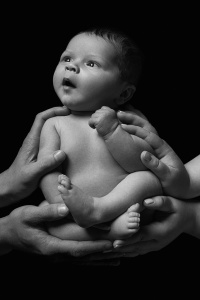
32, 40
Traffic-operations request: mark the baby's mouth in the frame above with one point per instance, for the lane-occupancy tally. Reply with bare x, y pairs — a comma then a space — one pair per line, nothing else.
67, 83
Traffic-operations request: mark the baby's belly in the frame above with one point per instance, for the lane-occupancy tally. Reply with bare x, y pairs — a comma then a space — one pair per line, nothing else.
89, 164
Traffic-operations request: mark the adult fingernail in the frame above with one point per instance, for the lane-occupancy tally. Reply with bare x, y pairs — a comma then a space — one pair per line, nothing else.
117, 246
123, 125
147, 156
62, 210
59, 155
148, 201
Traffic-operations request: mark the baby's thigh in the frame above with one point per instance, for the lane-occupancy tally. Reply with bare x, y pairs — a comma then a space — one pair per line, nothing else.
142, 184
69, 230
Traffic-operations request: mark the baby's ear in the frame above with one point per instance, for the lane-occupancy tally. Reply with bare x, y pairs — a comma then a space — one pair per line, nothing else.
126, 95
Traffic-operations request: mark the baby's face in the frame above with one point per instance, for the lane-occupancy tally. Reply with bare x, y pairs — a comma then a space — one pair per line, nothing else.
87, 76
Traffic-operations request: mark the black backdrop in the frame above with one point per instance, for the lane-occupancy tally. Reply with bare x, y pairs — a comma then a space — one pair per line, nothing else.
32, 39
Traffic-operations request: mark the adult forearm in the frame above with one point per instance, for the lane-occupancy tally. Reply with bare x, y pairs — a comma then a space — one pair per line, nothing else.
6, 197
194, 173
4, 245
193, 227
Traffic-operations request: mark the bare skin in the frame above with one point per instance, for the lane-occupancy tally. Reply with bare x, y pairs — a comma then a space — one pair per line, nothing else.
108, 191
103, 161
125, 225
88, 210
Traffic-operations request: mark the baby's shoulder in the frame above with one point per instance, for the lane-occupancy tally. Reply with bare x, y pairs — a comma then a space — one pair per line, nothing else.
57, 120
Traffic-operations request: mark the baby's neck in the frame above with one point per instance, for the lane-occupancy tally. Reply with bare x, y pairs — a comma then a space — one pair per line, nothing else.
82, 113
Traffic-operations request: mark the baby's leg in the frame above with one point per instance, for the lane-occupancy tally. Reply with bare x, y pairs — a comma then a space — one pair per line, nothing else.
88, 211
126, 224
121, 228
80, 204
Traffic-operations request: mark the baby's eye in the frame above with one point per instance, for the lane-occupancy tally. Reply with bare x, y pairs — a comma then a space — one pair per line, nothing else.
92, 64
66, 59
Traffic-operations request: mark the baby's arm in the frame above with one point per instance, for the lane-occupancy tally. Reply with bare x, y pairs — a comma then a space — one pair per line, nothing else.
50, 141
124, 147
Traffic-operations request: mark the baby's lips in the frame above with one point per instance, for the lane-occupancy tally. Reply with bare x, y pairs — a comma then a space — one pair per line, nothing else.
68, 82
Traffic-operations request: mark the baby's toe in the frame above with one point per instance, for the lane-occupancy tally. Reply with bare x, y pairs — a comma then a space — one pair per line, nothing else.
62, 189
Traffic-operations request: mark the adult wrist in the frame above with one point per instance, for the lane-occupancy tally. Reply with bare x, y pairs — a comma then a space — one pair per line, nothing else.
4, 241
4, 188
7, 194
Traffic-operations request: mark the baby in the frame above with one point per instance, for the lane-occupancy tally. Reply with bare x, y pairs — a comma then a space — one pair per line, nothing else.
103, 179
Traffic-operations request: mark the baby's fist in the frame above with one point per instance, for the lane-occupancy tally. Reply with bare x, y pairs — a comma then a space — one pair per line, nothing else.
104, 120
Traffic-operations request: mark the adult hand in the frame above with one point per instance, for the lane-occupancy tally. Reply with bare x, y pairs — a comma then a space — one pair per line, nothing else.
134, 117
167, 166
22, 178
24, 229
172, 217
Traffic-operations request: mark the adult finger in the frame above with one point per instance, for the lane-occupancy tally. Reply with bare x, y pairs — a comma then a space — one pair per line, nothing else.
136, 120
140, 248
135, 130
146, 233
45, 213
161, 203
130, 118
76, 248
48, 163
43, 116
160, 169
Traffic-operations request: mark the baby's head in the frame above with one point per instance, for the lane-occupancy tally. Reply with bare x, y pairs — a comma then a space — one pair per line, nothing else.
129, 56
99, 67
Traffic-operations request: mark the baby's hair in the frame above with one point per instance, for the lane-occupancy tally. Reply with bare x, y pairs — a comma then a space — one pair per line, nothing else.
130, 58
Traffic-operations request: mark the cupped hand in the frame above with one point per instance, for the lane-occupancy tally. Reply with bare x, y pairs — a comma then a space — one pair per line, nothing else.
25, 230
172, 217
166, 165
22, 178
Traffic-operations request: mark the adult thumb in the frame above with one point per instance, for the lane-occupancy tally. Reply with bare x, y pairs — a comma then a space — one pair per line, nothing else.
160, 169
49, 162
161, 203
51, 212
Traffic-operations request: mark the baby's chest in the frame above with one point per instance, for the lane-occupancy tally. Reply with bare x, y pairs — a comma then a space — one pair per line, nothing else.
84, 145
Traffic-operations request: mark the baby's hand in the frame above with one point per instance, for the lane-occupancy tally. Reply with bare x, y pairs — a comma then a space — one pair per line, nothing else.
104, 120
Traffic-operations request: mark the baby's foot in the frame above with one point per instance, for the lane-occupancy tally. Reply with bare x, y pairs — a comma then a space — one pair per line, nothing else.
126, 224
80, 205
105, 121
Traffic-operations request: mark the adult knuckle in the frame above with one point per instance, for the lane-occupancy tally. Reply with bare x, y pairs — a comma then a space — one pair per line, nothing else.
39, 116
45, 163
25, 214
46, 248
